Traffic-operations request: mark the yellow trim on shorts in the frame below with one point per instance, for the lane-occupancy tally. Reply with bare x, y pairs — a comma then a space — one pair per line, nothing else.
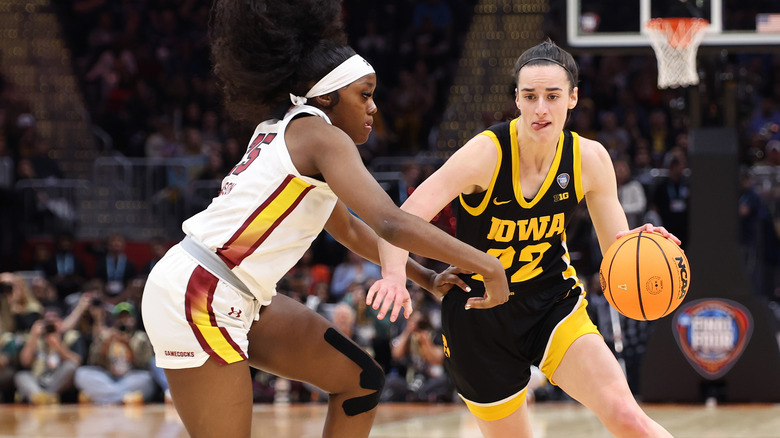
576, 324
497, 410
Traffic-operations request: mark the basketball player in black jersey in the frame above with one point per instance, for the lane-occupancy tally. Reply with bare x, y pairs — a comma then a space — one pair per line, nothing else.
519, 183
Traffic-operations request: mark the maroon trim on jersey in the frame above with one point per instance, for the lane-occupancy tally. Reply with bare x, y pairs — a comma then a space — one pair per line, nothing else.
234, 259
200, 291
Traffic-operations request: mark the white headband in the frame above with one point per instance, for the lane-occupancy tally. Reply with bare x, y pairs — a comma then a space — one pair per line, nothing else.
346, 73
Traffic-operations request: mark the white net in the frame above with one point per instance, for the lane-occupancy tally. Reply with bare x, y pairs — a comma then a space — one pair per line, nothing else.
675, 42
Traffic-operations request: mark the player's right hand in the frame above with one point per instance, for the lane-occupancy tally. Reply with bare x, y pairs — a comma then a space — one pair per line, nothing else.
496, 293
390, 294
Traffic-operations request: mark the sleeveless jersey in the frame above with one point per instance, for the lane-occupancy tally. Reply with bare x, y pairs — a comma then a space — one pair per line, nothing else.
266, 214
527, 235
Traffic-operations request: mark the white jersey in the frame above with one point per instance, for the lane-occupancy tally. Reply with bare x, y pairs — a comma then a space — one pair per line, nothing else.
266, 214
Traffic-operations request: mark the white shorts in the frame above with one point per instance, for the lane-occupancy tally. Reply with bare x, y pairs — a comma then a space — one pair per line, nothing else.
191, 315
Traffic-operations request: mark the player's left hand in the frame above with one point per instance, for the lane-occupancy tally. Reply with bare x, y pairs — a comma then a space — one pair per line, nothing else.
446, 279
650, 228
390, 292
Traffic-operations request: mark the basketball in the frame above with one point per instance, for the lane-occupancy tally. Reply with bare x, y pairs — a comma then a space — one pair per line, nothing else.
645, 276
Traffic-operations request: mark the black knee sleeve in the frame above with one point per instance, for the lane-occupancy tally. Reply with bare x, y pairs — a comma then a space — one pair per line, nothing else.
372, 376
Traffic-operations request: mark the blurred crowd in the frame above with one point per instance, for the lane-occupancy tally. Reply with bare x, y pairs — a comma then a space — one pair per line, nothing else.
70, 329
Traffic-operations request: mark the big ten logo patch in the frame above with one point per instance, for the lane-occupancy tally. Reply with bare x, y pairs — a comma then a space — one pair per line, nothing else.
560, 196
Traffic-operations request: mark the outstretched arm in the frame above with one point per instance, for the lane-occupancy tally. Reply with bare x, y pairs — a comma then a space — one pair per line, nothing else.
469, 170
356, 235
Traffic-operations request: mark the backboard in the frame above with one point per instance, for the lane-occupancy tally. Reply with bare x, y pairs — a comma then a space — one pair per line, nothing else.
620, 23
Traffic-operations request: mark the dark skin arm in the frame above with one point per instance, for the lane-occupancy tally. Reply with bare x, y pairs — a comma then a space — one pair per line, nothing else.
354, 234
319, 148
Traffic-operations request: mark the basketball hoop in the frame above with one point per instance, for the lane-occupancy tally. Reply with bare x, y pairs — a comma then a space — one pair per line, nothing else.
675, 42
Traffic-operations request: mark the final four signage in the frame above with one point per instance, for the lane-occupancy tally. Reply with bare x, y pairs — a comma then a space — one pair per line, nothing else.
712, 334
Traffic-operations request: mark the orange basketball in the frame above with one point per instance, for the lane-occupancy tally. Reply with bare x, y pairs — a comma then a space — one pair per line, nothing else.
645, 276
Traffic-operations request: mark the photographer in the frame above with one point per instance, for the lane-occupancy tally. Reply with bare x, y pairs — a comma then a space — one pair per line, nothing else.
48, 360
420, 353
118, 367
19, 309
87, 307
8, 354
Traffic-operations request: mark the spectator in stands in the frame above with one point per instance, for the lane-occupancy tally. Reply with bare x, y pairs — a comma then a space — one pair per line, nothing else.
6, 161
86, 308
23, 135
772, 154
9, 343
44, 166
643, 163
194, 153
163, 141
409, 101
211, 132
214, 168
65, 269
613, 136
661, 138
630, 193
9, 363
20, 308
41, 254
48, 360
419, 353
373, 45
319, 300
584, 119
371, 333
672, 198
45, 292
354, 269
114, 268
410, 177
749, 209
766, 120
117, 370
233, 154
436, 13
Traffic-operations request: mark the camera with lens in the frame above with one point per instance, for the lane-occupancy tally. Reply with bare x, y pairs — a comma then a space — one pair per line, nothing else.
50, 328
123, 328
6, 288
97, 301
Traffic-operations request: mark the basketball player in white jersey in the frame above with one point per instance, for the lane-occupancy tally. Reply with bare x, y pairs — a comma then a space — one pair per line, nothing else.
210, 305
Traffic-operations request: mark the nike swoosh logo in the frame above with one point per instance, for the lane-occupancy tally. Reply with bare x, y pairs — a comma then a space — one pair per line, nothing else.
497, 202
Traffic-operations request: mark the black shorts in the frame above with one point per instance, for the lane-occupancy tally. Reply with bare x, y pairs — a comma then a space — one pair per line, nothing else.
489, 352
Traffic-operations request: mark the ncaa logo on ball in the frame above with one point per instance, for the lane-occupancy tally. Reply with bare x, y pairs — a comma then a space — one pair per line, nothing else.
683, 269
654, 286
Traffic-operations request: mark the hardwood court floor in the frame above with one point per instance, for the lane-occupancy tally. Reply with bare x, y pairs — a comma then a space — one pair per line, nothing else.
550, 420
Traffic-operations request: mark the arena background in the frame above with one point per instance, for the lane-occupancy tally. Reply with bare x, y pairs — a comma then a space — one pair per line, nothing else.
112, 126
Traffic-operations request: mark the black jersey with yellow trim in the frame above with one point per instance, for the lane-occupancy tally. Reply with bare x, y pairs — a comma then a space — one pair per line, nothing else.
528, 236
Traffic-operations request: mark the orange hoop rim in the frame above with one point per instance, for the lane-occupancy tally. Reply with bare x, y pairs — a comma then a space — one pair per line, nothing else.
678, 30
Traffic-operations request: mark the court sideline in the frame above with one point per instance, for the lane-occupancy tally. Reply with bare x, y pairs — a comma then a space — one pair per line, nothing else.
549, 420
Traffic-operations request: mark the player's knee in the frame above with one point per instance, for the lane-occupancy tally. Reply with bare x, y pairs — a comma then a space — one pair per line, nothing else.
629, 421
372, 377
